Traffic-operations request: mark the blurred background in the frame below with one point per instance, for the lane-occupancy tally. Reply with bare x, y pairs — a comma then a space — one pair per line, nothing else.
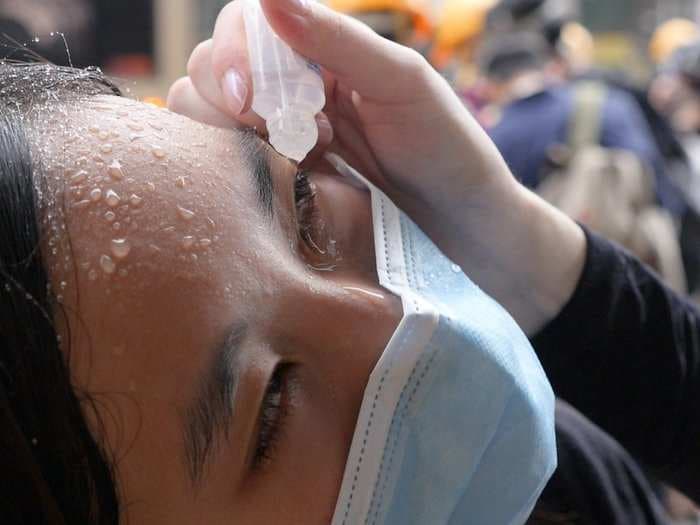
594, 105
149, 40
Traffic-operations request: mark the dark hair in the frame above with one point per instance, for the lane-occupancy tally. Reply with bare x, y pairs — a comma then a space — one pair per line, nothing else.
52, 469
503, 57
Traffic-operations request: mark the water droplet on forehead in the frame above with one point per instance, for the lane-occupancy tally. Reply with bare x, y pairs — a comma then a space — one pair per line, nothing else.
456, 268
81, 161
188, 242
135, 200
205, 243
103, 135
135, 126
106, 148
115, 170
159, 152
112, 199
96, 195
155, 126
121, 248
107, 264
110, 216
94, 128
180, 182
79, 177
82, 204
116, 226
185, 214
150, 186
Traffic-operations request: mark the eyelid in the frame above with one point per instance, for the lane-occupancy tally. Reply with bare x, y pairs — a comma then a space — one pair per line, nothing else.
272, 419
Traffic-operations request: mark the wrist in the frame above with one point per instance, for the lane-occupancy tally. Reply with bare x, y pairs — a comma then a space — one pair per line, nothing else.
519, 249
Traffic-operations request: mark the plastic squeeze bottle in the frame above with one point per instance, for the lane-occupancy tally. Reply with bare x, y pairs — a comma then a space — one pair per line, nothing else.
288, 90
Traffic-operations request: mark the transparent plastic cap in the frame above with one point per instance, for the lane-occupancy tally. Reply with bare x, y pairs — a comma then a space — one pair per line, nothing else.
293, 133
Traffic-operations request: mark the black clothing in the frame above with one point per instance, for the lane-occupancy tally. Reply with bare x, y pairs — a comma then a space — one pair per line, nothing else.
596, 481
625, 351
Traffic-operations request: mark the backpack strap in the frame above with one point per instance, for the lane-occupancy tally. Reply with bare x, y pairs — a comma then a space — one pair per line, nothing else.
586, 121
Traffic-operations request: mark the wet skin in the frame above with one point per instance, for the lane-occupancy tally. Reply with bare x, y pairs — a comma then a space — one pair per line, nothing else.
225, 325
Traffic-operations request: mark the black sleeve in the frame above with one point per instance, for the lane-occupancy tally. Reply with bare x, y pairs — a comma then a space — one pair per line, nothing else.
596, 481
625, 352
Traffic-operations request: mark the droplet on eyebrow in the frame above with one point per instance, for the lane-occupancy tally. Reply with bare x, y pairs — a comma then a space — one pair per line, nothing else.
110, 216
185, 214
121, 248
96, 195
180, 182
81, 204
79, 177
107, 264
159, 152
188, 242
135, 200
115, 170
106, 148
112, 199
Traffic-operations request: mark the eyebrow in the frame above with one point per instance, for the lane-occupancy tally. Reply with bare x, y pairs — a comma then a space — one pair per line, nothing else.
254, 149
207, 419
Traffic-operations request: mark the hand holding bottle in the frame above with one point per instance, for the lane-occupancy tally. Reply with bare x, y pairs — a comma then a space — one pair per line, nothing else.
392, 117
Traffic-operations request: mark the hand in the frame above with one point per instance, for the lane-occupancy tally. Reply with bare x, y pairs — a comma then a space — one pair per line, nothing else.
391, 116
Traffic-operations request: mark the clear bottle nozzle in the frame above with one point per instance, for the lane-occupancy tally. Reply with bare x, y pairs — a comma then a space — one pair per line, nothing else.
288, 90
293, 133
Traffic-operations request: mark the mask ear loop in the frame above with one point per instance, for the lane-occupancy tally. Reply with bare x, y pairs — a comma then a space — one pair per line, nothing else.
350, 176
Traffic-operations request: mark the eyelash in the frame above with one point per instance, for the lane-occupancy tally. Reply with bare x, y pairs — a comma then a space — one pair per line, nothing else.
307, 209
273, 413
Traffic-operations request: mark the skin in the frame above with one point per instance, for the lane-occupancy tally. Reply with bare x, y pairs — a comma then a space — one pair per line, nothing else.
141, 341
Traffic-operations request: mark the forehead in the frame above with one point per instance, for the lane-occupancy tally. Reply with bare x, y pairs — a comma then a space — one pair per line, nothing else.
144, 195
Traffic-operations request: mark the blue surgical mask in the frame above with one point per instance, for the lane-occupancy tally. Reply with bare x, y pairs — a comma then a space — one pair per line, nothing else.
457, 420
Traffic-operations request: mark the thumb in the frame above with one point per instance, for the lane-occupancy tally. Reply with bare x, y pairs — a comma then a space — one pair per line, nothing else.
361, 59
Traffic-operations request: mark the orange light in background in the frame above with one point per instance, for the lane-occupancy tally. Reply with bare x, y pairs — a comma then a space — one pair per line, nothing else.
155, 101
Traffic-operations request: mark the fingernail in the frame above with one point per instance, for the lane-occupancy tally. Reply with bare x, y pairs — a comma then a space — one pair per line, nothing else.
235, 91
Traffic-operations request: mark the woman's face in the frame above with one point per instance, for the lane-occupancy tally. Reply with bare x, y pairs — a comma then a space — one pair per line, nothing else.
224, 314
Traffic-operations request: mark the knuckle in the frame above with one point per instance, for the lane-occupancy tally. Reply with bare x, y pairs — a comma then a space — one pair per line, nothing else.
177, 95
199, 58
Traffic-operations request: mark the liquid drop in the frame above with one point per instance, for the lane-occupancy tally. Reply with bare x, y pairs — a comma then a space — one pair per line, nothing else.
456, 268
93, 128
112, 199
135, 126
158, 152
121, 248
180, 182
107, 264
205, 243
96, 195
81, 204
116, 226
106, 148
103, 135
115, 170
135, 200
185, 214
188, 242
150, 186
110, 216
79, 177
